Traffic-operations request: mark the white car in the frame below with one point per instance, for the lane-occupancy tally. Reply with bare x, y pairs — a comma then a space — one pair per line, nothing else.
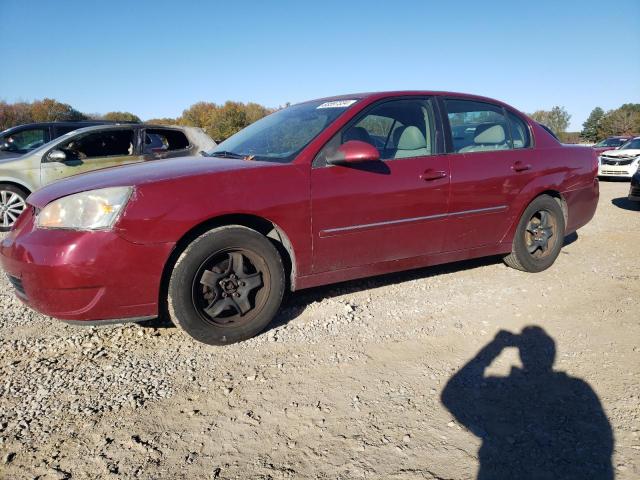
622, 162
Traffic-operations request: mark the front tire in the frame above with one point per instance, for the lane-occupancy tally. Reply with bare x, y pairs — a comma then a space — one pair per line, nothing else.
539, 236
13, 201
226, 286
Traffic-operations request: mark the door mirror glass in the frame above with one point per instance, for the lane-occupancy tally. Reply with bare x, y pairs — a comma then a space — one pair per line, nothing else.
4, 146
354, 151
56, 156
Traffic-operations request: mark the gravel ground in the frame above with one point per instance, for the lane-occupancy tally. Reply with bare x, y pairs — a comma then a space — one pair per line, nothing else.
346, 384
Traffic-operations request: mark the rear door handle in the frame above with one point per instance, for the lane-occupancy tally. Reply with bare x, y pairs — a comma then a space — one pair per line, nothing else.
520, 167
429, 175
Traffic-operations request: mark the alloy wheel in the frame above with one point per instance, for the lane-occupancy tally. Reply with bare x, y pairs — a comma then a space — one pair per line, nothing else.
540, 234
11, 206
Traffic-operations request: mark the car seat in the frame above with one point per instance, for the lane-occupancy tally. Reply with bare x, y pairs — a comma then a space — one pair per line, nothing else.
411, 143
487, 136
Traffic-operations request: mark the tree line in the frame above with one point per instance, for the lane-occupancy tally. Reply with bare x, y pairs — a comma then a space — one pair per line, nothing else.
222, 121
624, 120
621, 121
219, 121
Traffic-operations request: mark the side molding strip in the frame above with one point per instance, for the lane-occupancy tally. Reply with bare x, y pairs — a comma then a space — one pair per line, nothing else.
336, 231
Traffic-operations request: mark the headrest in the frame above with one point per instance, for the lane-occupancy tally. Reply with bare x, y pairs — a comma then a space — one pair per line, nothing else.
357, 133
411, 139
489, 133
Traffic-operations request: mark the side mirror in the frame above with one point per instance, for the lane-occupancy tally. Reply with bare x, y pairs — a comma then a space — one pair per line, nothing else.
56, 156
5, 146
354, 151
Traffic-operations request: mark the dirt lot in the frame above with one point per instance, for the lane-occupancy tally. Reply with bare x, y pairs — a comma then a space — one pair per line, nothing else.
349, 382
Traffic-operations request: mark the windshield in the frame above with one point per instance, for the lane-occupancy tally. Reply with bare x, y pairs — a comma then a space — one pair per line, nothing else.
634, 143
611, 142
280, 136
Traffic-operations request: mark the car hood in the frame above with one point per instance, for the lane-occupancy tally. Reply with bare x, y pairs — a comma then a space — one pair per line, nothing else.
140, 174
627, 153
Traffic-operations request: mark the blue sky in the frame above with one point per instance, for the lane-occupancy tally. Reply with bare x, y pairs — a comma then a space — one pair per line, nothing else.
155, 58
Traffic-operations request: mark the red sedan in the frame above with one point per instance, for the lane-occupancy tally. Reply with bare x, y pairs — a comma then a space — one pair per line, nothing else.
320, 192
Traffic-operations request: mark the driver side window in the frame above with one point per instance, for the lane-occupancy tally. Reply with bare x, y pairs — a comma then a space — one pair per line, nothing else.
397, 129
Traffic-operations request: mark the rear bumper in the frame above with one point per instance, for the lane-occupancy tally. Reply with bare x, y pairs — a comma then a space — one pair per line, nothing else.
83, 276
581, 205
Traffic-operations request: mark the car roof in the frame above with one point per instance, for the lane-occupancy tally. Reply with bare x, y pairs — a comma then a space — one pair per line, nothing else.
118, 126
69, 123
398, 93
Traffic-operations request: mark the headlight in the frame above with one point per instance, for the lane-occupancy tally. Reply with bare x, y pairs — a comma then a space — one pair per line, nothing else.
92, 210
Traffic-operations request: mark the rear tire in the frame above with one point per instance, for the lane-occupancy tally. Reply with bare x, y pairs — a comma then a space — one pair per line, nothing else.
226, 286
13, 201
539, 236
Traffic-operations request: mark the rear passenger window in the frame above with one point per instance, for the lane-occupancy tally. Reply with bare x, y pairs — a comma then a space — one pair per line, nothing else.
519, 131
164, 140
477, 126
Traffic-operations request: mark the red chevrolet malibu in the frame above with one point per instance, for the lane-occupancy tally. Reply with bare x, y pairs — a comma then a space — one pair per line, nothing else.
320, 192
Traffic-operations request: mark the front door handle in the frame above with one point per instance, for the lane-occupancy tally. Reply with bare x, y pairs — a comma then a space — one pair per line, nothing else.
520, 167
430, 174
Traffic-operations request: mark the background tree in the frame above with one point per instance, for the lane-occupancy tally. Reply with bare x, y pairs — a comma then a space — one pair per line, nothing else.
198, 115
227, 120
622, 121
219, 121
557, 119
256, 111
50, 110
162, 121
121, 117
592, 124
222, 121
12, 114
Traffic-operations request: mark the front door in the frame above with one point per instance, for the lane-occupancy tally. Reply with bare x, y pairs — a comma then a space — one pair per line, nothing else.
91, 151
382, 211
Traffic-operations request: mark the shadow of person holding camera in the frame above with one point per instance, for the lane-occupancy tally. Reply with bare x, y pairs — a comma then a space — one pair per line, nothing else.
536, 423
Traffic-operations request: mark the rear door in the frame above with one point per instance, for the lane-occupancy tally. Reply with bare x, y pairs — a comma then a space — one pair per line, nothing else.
91, 151
388, 210
492, 160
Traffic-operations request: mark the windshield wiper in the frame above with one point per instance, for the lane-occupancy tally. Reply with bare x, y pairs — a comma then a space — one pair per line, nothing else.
226, 154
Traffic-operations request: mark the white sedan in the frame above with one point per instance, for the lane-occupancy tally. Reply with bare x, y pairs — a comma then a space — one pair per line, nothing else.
622, 162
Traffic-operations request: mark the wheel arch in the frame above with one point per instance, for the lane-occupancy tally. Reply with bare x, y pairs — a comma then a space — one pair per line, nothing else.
15, 183
259, 224
555, 194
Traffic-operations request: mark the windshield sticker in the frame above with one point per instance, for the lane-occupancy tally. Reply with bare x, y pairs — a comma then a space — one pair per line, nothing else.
337, 104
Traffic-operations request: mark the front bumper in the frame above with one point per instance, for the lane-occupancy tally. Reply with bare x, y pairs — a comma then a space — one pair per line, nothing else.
607, 170
83, 276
